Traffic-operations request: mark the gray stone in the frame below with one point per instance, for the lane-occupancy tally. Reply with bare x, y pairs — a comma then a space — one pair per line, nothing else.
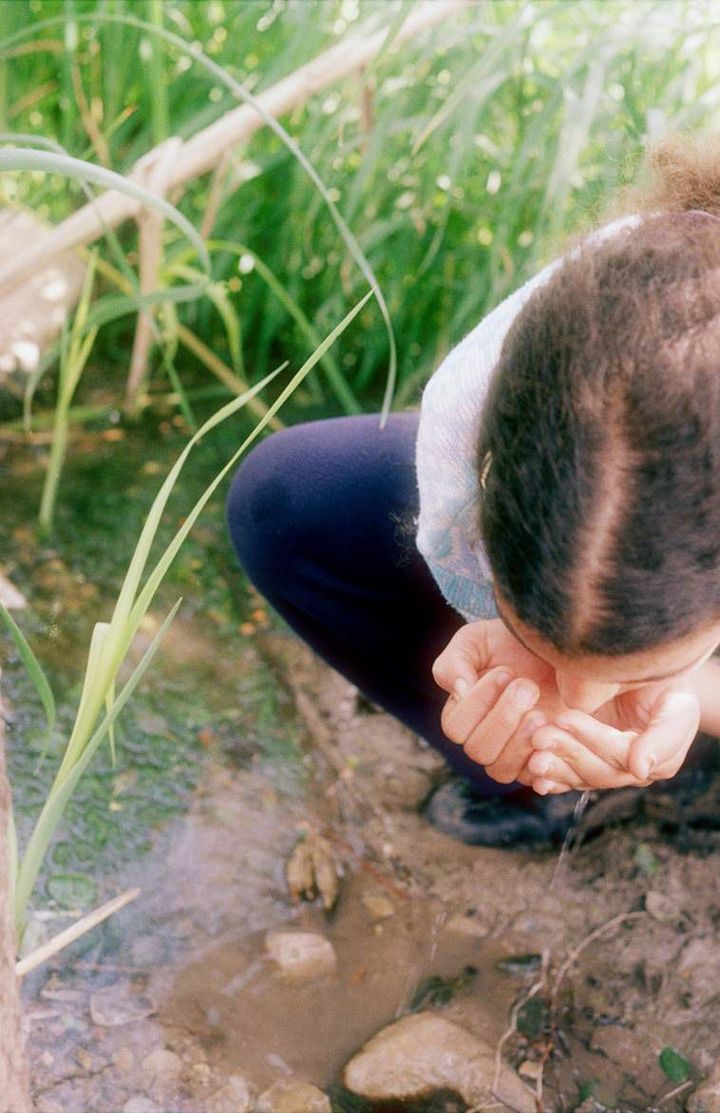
706, 1099
123, 1059
140, 1104
301, 956
293, 1097
423, 1053
235, 1096
162, 1064
661, 907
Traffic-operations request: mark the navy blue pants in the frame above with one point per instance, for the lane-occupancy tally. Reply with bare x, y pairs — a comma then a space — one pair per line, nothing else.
322, 519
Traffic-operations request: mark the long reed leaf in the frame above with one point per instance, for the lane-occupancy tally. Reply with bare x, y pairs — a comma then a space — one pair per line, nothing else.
242, 93
35, 672
66, 781
22, 158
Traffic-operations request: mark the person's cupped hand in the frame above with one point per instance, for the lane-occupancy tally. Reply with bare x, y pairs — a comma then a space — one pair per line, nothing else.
505, 709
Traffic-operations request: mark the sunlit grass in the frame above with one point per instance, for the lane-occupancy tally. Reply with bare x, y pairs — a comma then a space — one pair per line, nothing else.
100, 703
459, 161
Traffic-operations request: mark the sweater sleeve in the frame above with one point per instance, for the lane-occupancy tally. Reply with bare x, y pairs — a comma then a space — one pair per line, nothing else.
448, 531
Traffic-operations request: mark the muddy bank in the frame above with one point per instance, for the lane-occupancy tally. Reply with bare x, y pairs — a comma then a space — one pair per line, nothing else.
240, 744
420, 923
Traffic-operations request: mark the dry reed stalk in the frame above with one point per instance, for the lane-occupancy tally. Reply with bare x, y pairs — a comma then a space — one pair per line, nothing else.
157, 176
75, 931
215, 196
221, 370
14, 1075
89, 122
203, 152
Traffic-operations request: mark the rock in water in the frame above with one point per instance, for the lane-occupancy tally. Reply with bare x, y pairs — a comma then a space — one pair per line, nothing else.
423, 1053
235, 1095
293, 1097
301, 956
162, 1064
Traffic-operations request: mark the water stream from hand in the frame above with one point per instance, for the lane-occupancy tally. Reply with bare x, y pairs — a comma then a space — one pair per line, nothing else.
571, 835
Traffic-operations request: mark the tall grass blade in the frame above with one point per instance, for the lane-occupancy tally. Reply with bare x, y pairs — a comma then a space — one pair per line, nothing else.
66, 781
336, 379
243, 94
34, 671
157, 92
28, 138
19, 158
153, 581
75, 350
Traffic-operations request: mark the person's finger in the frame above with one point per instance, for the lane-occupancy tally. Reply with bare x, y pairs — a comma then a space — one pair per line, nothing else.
515, 754
487, 740
586, 770
551, 767
462, 660
662, 746
461, 716
454, 672
585, 761
545, 787
605, 741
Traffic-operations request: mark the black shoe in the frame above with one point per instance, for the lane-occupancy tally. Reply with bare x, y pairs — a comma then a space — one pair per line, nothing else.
520, 818
523, 818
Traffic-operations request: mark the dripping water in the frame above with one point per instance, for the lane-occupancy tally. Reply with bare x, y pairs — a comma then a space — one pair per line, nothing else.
571, 835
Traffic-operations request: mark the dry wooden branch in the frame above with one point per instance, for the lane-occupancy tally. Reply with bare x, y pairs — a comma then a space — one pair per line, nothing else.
205, 150
150, 225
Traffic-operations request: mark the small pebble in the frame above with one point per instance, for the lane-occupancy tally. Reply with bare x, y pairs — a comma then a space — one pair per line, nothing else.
301, 956
379, 907
162, 1063
123, 1060
293, 1097
140, 1104
201, 1073
234, 1097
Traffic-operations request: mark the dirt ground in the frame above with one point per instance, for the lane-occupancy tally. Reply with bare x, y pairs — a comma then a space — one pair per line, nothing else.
582, 984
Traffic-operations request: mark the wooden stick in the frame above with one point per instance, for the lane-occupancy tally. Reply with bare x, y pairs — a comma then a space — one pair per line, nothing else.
75, 931
150, 225
205, 150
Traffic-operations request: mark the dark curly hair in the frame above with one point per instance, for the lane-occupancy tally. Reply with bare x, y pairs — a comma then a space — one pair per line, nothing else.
601, 510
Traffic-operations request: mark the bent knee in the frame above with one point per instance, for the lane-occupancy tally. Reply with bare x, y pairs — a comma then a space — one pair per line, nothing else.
258, 502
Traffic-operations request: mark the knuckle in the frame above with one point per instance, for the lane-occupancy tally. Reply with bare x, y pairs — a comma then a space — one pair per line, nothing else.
438, 668
503, 774
450, 727
571, 720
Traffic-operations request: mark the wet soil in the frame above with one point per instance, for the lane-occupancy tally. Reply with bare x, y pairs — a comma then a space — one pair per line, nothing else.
239, 744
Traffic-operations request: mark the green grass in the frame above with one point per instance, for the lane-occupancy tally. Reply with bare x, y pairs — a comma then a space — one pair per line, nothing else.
459, 161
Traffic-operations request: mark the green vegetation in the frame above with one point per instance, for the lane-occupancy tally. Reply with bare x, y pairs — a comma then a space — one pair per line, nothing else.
111, 641
439, 175
457, 160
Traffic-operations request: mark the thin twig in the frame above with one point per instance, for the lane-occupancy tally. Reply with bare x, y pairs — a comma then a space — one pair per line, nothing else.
616, 921
512, 1028
75, 931
674, 1093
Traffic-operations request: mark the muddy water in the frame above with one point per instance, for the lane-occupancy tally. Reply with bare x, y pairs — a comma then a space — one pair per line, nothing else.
191, 952
215, 783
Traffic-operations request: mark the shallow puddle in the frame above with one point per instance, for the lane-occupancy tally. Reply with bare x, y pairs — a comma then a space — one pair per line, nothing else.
192, 950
